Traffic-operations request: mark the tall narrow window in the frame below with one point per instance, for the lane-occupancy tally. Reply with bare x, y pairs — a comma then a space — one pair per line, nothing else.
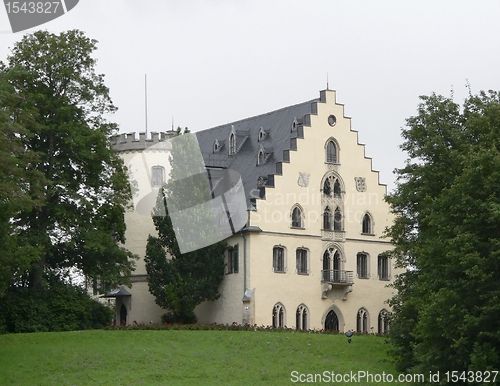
278, 259
232, 144
327, 189
296, 218
230, 260
383, 267
261, 159
301, 255
327, 219
337, 193
236, 259
383, 322
331, 152
301, 318
362, 321
337, 220
362, 265
278, 315
157, 176
367, 224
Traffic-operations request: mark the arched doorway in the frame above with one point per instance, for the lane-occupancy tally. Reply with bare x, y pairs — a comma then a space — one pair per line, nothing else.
331, 321
123, 314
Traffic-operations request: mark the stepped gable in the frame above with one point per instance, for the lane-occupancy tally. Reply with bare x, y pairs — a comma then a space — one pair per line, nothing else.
278, 136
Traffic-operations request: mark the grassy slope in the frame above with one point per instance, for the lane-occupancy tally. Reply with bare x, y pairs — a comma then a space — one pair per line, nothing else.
182, 357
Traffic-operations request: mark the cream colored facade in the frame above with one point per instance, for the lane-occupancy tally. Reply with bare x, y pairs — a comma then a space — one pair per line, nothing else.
299, 268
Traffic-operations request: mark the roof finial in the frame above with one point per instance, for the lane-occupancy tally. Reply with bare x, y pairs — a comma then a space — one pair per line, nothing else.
327, 81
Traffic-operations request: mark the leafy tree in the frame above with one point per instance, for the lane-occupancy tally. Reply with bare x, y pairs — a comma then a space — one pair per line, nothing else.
55, 104
14, 180
447, 206
181, 281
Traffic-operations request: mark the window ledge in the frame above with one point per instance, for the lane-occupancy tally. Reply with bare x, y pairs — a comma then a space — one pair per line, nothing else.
367, 234
279, 271
303, 273
301, 228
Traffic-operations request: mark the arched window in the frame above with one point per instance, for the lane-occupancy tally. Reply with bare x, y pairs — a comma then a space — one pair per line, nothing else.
327, 189
362, 265
327, 219
279, 259
337, 193
331, 152
261, 159
362, 320
157, 176
333, 185
337, 220
302, 318
232, 144
367, 224
296, 217
278, 315
331, 321
332, 266
383, 322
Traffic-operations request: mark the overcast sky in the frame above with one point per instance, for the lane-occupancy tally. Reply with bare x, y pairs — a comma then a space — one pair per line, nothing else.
210, 62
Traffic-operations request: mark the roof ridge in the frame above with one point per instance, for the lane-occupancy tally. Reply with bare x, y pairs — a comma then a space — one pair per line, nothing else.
259, 115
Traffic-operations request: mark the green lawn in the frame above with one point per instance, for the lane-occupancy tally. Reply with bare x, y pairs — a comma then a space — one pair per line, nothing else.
103, 357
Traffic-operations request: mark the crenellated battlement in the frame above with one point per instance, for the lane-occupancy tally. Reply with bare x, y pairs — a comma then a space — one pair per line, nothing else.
139, 141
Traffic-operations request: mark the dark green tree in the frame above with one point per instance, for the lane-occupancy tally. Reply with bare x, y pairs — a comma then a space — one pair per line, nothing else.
446, 236
181, 281
59, 104
14, 180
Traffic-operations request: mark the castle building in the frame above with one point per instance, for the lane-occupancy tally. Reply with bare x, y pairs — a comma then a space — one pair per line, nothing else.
311, 255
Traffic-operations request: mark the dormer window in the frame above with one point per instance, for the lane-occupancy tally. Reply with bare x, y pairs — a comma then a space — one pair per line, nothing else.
216, 146
232, 144
262, 134
261, 160
294, 124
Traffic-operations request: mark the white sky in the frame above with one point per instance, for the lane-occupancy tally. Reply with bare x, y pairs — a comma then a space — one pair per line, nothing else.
210, 62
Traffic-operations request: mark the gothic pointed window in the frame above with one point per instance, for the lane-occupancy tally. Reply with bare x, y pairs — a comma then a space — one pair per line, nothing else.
278, 315
327, 219
232, 144
337, 220
362, 320
261, 158
383, 322
367, 224
327, 189
337, 193
331, 152
302, 318
296, 217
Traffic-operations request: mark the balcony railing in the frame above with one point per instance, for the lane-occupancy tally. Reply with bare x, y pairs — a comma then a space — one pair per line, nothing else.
337, 276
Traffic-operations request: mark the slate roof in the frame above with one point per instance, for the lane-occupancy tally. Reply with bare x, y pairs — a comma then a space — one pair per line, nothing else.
278, 141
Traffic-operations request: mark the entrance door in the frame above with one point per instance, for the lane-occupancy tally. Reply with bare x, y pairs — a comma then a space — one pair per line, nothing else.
332, 321
123, 314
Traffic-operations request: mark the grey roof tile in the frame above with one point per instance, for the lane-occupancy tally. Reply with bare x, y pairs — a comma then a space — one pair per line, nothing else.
279, 138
